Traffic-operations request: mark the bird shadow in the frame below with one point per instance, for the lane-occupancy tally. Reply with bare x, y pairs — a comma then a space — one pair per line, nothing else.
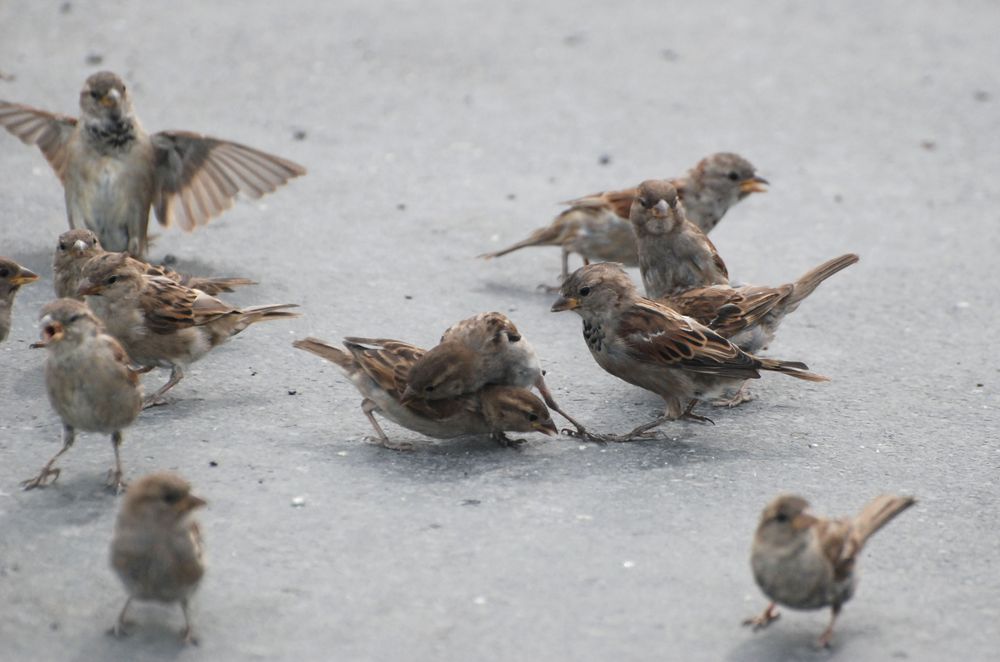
785, 645
150, 636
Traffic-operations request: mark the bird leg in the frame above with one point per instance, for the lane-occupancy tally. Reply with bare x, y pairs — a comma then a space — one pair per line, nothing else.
115, 474
505, 441
155, 400
187, 634
742, 395
644, 431
689, 414
69, 436
368, 406
827, 636
764, 619
118, 629
551, 402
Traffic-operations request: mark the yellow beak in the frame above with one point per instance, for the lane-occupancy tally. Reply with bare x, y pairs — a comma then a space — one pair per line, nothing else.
565, 303
754, 185
23, 277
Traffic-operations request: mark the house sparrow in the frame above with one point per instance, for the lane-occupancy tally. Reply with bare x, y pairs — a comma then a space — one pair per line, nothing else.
379, 369
681, 268
807, 562
594, 226
481, 350
647, 344
113, 171
157, 549
12, 277
88, 380
77, 247
160, 323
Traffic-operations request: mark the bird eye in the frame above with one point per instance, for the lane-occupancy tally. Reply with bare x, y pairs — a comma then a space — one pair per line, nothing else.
584, 291
532, 417
734, 176
94, 94
62, 246
74, 318
429, 387
112, 280
172, 496
781, 517
4, 272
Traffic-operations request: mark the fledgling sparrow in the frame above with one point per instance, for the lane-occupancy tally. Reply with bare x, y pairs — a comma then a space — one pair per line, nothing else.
595, 225
157, 549
113, 171
160, 323
77, 247
12, 277
808, 562
379, 369
89, 382
681, 268
481, 350
647, 344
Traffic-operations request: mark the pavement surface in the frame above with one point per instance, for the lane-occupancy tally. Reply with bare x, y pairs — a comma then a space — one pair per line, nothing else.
435, 131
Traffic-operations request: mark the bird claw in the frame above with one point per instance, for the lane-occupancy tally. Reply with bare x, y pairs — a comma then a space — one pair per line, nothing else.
114, 482
118, 630
40, 479
154, 401
761, 621
689, 416
404, 446
188, 638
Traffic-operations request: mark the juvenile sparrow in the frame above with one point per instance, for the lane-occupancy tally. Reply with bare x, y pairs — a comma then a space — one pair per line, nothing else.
160, 323
681, 268
807, 562
379, 369
594, 226
157, 550
12, 277
484, 349
647, 344
88, 380
77, 247
113, 171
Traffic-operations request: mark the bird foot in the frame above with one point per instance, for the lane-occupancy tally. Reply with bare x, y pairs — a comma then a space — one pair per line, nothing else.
40, 479
120, 629
507, 442
404, 446
188, 638
762, 620
583, 435
154, 401
741, 396
115, 482
691, 416
634, 435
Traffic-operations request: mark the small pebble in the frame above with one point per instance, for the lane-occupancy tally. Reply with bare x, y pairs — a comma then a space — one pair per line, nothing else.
213, 463
299, 134
298, 502
292, 391
604, 159
94, 59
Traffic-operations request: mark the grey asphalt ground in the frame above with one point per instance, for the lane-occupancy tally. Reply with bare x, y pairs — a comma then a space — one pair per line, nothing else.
435, 131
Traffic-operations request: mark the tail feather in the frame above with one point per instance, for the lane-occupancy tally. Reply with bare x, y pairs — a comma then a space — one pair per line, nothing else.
795, 369
213, 286
326, 351
550, 235
256, 314
879, 512
809, 281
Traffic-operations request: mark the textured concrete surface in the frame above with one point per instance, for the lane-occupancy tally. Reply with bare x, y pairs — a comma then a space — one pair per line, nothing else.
435, 131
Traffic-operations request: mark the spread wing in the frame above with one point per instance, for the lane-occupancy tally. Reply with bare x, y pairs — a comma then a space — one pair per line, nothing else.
727, 310
197, 176
51, 132
653, 333
169, 307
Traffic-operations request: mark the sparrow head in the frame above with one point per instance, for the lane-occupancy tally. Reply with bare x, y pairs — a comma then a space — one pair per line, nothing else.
162, 498
66, 320
500, 328
785, 521
12, 277
112, 275
442, 372
104, 96
79, 244
595, 290
511, 409
730, 176
656, 208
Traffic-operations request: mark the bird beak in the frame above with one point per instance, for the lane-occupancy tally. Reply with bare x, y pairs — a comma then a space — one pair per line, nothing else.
661, 207
755, 184
89, 289
803, 521
79, 246
546, 427
565, 303
409, 395
111, 99
52, 331
23, 277
190, 502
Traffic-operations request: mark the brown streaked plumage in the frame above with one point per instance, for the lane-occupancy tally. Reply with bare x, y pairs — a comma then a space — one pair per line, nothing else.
595, 225
113, 172
159, 322
12, 277
650, 345
808, 562
157, 549
89, 383
380, 368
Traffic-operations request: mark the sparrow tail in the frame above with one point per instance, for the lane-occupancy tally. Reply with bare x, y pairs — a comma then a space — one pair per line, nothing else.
213, 286
795, 369
326, 351
809, 281
256, 314
550, 235
879, 512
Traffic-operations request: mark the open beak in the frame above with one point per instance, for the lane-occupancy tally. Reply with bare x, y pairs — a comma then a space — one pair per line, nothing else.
546, 427
565, 303
755, 184
23, 277
52, 331
89, 289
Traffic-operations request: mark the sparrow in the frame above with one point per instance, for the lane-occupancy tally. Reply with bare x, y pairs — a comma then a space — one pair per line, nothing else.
88, 380
650, 345
12, 277
113, 171
595, 225
160, 323
77, 247
681, 268
807, 562
157, 549
484, 349
379, 369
